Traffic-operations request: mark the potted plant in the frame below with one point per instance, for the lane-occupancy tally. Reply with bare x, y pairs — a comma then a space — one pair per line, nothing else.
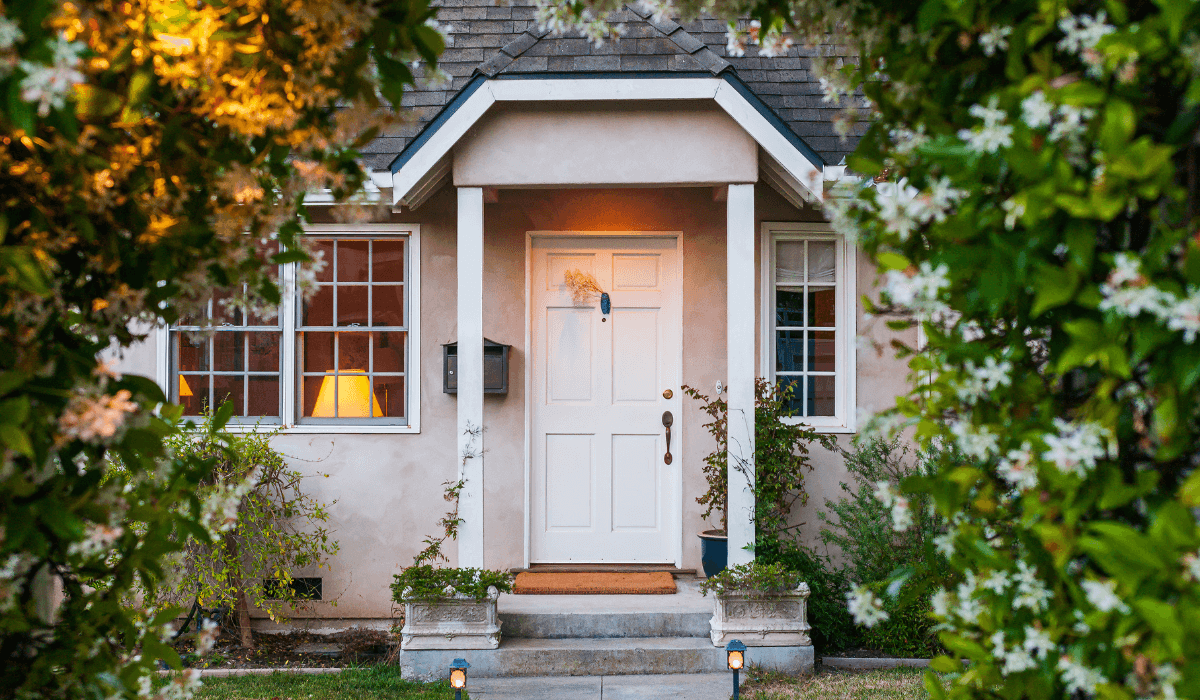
449, 608
714, 544
761, 604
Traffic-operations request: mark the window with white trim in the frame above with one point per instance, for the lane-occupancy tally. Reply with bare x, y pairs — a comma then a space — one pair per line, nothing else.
338, 361
809, 321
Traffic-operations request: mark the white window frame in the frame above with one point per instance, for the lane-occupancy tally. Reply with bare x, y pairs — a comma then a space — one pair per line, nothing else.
287, 314
843, 420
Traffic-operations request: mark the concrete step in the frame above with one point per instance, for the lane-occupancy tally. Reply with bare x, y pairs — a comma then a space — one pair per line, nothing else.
597, 657
606, 624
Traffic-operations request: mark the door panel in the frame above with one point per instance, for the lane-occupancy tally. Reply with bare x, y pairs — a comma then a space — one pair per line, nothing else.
600, 491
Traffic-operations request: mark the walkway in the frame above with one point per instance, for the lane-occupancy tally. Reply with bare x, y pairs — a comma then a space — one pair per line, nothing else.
698, 686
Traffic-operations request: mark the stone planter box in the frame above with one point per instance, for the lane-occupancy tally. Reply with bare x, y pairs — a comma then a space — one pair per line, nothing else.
762, 619
458, 622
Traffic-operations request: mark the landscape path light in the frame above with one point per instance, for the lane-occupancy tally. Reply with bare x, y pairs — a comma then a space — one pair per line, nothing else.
458, 676
735, 653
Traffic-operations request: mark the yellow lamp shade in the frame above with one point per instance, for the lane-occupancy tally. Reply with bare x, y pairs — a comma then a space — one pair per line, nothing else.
737, 660
352, 393
184, 389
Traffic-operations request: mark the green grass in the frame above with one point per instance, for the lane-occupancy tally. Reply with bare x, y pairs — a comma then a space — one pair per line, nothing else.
375, 683
896, 684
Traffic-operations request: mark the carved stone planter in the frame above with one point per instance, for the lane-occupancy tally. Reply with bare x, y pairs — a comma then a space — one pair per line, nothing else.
762, 619
458, 622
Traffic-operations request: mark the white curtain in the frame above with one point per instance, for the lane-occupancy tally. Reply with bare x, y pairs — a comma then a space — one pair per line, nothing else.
822, 262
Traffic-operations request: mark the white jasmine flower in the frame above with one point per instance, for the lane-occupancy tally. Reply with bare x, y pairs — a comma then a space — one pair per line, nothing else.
1016, 661
1080, 627
1184, 315
995, 39
994, 134
1031, 592
96, 419
945, 544
1083, 32
830, 92
997, 640
1071, 123
994, 374
1079, 678
1017, 469
974, 441
1075, 449
1013, 210
1191, 567
969, 607
10, 33
884, 493
1037, 111
905, 141
1103, 595
50, 85
1038, 643
865, 607
918, 291
207, 637
1126, 268
996, 582
901, 514
940, 602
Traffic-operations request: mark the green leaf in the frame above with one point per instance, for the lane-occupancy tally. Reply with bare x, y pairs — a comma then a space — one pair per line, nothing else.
893, 261
93, 102
16, 439
1055, 287
944, 664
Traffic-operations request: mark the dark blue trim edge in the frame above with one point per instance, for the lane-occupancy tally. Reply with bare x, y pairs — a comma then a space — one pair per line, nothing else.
436, 123
775, 120
729, 76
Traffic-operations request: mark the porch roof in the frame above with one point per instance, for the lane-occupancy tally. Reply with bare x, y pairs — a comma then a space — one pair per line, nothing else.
504, 42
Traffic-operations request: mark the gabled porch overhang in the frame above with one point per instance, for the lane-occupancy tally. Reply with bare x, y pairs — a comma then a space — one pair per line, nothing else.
784, 162
788, 164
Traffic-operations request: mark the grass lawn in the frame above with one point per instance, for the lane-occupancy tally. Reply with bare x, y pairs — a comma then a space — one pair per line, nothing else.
374, 683
896, 684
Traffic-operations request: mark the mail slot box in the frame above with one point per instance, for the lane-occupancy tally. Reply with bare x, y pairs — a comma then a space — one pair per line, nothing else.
495, 367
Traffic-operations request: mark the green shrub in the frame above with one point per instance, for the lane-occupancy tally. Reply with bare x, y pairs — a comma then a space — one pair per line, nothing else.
861, 525
426, 582
833, 629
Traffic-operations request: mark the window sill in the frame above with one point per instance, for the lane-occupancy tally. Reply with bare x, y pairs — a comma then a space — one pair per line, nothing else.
831, 428
326, 429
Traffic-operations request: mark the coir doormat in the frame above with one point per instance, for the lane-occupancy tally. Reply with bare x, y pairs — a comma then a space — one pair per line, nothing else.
655, 582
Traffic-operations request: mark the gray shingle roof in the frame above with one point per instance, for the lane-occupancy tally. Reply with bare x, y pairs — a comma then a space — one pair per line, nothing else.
496, 40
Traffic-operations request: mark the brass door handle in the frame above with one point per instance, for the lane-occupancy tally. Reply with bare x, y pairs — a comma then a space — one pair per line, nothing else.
668, 419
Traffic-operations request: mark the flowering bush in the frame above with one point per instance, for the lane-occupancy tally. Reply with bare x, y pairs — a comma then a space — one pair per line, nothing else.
151, 150
1029, 186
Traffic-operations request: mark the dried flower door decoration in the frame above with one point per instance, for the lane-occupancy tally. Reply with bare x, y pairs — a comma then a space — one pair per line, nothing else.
582, 285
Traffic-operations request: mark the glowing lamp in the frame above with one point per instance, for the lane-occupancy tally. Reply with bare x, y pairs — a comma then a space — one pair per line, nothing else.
736, 658
184, 389
458, 676
351, 389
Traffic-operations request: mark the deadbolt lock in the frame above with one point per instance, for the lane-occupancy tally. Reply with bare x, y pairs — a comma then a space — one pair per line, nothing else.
668, 394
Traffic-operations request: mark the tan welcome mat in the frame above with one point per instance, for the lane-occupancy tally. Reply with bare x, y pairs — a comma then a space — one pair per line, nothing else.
656, 582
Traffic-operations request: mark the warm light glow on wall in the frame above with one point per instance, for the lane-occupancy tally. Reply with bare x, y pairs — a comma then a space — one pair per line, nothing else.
184, 389
354, 396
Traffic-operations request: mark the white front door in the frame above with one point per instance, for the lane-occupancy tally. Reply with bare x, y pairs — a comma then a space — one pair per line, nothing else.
601, 490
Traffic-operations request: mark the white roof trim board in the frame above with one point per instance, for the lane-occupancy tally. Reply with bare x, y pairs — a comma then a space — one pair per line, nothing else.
787, 167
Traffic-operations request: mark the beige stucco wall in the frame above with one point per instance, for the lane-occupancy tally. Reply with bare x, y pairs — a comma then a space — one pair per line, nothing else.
593, 144
388, 488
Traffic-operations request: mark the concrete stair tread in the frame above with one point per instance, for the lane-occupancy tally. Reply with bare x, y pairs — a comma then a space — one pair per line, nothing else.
603, 644
687, 599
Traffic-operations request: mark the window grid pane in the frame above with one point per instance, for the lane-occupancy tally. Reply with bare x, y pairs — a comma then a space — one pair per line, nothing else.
366, 360
238, 358
805, 337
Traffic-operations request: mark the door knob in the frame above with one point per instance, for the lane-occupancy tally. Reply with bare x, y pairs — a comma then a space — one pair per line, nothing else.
667, 420
667, 393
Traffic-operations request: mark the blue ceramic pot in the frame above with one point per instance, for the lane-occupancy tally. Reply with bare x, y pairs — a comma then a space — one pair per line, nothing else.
714, 551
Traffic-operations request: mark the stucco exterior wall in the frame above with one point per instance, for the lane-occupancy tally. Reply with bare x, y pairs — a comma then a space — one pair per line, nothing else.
595, 144
388, 488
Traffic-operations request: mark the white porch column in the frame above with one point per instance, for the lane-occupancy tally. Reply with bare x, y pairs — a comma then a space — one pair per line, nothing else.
740, 327
470, 375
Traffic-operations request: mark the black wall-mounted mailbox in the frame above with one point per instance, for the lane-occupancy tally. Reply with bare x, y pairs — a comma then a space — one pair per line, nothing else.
495, 367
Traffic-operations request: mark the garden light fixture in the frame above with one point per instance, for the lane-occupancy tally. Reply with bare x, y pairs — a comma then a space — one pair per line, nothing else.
736, 658
458, 676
